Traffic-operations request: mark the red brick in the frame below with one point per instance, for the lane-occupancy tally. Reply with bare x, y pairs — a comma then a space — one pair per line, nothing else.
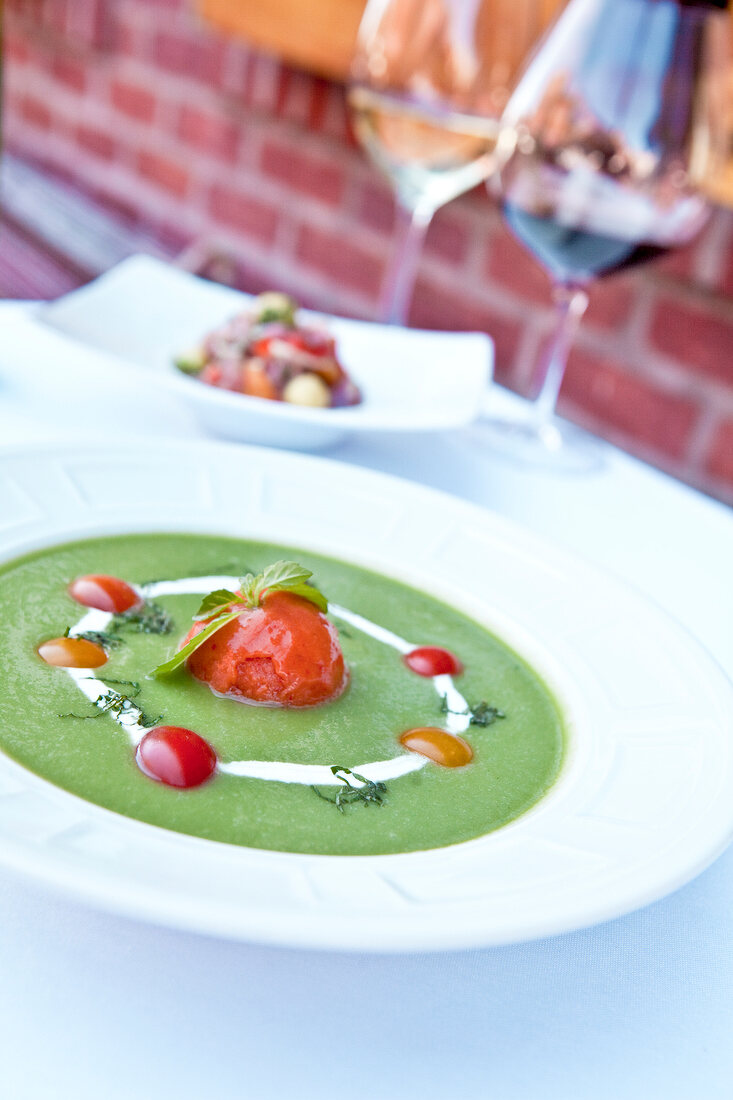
69, 72
245, 213
436, 307
320, 94
332, 117
96, 141
375, 207
36, 112
163, 172
609, 302
175, 52
295, 96
16, 49
512, 267
679, 263
133, 100
209, 132
302, 172
642, 411
197, 55
726, 280
694, 337
720, 457
334, 255
447, 238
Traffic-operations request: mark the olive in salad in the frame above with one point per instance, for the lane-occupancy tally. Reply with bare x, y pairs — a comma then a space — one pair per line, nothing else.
264, 352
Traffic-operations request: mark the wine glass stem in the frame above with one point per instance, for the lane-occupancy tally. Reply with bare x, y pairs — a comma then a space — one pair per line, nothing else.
399, 280
570, 303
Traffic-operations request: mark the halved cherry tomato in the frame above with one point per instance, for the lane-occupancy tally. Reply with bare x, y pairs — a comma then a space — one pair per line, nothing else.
72, 653
104, 593
315, 343
431, 660
446, 749
256, 383
175, 756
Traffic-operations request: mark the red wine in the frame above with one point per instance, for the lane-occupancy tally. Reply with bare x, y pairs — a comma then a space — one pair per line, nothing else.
574, 255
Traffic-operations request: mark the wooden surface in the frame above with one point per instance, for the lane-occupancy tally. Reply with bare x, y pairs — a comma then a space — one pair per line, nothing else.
320, 36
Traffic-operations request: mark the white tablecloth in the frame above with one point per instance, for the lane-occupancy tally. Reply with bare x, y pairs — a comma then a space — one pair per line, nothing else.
93, 1006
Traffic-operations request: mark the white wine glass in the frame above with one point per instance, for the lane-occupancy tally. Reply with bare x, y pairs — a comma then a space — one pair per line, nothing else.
603, 145
429, 81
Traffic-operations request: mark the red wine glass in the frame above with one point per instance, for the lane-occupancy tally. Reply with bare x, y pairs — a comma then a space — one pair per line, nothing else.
603, 144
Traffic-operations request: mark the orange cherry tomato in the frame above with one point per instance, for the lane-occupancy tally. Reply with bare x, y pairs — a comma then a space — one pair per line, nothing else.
72, 653
446, 749
104, 593
255, 383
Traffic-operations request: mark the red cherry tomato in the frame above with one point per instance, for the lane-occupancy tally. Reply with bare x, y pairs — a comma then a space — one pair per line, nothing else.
310, 340
104, 593
431, 660
175, 756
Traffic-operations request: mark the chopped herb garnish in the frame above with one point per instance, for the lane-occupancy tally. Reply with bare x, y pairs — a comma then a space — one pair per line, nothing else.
133, 684
116, 704
151, 618
481, 715
485, 715
101, 638
223, 606
369, 792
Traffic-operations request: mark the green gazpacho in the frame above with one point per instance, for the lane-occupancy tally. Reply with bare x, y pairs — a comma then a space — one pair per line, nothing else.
137, 675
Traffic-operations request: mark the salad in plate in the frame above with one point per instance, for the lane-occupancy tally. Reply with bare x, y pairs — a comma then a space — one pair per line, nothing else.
265, 352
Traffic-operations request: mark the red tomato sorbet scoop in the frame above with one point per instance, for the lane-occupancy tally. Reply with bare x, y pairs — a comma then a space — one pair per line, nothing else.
175, 756
283, 653
104, 593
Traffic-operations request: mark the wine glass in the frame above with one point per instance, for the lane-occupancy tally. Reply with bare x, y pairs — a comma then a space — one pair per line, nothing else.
429, 81
603, 145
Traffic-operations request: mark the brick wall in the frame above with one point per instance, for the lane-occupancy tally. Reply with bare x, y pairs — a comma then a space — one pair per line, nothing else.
216, 146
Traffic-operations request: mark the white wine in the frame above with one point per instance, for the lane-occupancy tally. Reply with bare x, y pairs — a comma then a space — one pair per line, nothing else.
430, 155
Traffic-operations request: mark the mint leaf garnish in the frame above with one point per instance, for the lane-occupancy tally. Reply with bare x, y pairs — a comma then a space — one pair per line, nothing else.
308, 592
183, 654
225, 606
282, 576
216, 601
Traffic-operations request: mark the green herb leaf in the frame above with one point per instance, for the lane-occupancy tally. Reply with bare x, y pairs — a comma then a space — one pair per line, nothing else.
481, 715
183, 654
370, 793
151, 618
215, 601
101, 638
282, 576
309, 592
115, 703
485, 715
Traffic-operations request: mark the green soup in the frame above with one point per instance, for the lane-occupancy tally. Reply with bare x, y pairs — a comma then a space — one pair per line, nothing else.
43, 726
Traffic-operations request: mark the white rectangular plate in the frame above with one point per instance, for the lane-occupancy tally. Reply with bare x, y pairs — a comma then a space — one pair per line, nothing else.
145, 312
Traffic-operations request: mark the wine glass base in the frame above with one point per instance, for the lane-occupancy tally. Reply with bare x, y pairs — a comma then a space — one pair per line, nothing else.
552, 446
